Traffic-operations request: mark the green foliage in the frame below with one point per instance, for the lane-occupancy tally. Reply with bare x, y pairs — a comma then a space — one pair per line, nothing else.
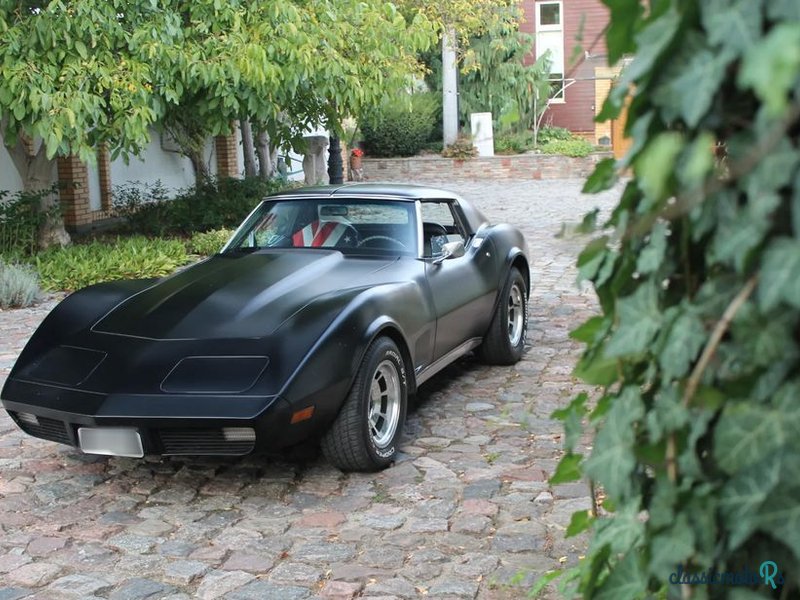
400, 126
19, 286
20, 219
575, 147
494, 76
461, 149
77, 266
208, 242
555, 134
79, 73
697, 347
513, 143
213, 204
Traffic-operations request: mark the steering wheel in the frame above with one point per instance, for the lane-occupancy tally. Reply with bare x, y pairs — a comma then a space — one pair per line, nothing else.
384, 238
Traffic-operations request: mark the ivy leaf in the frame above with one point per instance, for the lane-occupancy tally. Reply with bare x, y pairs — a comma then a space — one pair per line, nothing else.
581, 521
780, 517
655, 165
639, 321
732, 24
701, 70
740, 230
669, 414
685, 339
612, 460
671, 547
595, 369
568, 469
594, 329
771, 67
746, 434
572, 416
602, 178
624, 17
652, 256
621, 532
743, 495
788, 10
780, 274
626, 580
591, 258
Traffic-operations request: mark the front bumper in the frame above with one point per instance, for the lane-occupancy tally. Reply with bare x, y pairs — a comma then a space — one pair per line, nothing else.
167, 424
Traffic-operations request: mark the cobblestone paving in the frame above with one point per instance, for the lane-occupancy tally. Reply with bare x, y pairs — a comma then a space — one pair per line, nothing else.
465, 513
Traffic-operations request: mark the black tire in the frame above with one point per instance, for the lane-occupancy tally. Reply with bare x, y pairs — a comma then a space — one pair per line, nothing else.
354, 441
503, 343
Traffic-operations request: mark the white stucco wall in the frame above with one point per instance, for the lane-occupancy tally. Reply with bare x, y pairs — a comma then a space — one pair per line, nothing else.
9, 178
155, 163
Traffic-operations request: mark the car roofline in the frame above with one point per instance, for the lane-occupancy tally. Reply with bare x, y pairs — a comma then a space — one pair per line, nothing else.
397, 192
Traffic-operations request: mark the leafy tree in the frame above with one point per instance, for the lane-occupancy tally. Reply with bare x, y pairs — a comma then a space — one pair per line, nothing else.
697, 346
495, 78
75, 74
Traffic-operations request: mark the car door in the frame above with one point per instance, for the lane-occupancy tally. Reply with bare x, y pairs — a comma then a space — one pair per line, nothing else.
461, 288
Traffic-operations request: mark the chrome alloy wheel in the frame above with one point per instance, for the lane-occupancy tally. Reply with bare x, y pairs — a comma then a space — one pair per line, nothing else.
384, 404
516, 314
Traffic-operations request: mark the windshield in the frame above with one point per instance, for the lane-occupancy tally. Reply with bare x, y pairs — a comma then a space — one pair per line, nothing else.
352, 226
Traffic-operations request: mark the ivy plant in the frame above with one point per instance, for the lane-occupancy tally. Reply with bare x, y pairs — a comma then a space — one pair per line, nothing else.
695, 457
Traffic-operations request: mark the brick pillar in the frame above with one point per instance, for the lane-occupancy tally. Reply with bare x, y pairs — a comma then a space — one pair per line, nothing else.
227, 152
73, 191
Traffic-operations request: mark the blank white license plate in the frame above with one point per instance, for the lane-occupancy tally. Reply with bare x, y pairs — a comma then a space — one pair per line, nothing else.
111, 441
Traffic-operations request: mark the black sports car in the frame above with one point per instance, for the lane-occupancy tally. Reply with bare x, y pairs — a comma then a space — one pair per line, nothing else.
325, 310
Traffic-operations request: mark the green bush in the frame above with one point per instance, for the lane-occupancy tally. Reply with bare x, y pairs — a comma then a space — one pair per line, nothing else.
215, 204
20, 219
551, 134
19, 286
513, 143
77, 266
207, 243
575, 148
397, 128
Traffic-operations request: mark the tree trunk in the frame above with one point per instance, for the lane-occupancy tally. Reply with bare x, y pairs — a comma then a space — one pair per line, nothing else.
335, 167
449, 87
36, 172
247, 148
265, 165
201, 173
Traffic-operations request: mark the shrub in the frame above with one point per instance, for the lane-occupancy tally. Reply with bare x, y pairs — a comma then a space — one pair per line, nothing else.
551, 134
397, 128
513, 143
19, 286
575, 148
20, 219
77, 266
208, 242
461, 149
214, 204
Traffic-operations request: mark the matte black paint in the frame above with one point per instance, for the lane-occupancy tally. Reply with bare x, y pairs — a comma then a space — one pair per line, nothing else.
299, 319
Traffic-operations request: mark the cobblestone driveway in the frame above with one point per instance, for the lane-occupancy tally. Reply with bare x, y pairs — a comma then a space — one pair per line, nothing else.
466, 508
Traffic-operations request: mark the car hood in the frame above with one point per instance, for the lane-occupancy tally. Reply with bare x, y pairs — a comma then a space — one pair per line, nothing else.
242, 295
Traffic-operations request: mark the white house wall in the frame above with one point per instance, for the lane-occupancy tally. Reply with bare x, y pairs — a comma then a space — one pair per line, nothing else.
9, 178
154, 164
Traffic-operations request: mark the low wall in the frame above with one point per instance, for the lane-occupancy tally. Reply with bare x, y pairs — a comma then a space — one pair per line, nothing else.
520, 166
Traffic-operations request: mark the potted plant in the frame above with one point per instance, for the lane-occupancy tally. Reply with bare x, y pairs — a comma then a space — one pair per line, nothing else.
356, 171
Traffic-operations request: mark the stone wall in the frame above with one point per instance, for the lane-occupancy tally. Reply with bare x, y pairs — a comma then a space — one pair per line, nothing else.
520, 166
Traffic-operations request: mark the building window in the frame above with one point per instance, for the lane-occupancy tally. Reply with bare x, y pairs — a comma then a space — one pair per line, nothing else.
550, 37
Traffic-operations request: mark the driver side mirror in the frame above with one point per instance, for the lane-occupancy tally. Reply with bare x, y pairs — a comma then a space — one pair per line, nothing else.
450, 250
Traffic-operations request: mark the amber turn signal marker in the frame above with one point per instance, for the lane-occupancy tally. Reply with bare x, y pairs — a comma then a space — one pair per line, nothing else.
302, 415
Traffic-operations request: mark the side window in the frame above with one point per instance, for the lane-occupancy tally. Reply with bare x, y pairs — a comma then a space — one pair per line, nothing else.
439, 226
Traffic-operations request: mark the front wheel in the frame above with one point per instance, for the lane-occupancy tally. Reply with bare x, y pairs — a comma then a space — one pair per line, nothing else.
505, 340
366, 432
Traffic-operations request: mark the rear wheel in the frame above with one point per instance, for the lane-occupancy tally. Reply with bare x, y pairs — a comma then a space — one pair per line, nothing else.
365, 435
505, 340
